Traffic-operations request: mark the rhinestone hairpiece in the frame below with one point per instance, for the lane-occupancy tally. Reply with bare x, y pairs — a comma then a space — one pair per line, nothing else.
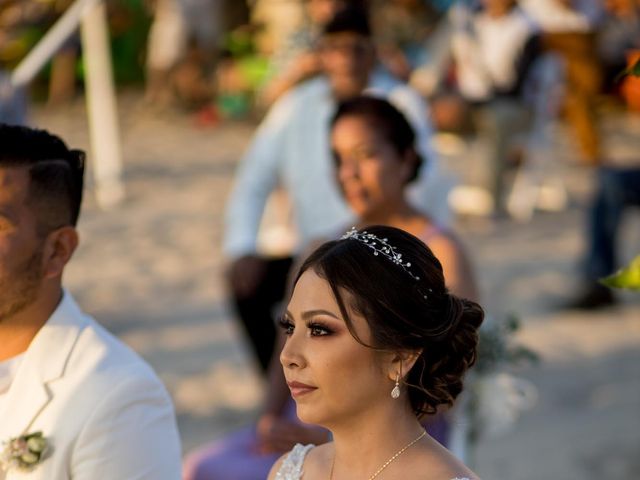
380, 246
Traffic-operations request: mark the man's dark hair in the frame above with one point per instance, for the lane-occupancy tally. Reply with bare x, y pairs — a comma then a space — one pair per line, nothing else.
56, 173
351, 19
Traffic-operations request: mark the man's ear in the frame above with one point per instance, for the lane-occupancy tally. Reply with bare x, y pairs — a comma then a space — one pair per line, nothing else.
58, 249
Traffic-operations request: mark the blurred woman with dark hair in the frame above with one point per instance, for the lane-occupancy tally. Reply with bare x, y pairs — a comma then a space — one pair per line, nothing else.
376, 159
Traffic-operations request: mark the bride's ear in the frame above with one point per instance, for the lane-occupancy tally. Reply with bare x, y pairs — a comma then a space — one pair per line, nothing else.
402, 362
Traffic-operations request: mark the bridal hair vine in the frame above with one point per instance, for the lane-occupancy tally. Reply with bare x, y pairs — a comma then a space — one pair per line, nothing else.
380, 246
23, 453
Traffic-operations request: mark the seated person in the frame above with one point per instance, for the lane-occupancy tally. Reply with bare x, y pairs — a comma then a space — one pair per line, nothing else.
291, 150
80, 402
298, 59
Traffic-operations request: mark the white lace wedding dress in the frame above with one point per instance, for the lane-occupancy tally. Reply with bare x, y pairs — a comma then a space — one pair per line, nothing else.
291, 468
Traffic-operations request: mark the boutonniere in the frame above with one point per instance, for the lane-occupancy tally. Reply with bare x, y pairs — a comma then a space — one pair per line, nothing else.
24, 452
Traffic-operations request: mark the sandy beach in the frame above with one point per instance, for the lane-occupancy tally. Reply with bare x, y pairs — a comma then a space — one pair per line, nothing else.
151, 271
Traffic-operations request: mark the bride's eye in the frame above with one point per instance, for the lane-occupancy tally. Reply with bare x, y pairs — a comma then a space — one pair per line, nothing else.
319, 330
286, 326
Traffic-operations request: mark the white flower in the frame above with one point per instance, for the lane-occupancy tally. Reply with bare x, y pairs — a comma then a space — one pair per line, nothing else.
24, 452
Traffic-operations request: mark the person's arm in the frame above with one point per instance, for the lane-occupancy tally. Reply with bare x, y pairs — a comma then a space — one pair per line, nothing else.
256, 177
530, 54
131, 434
277, 390
295, 61
275, 432
458, 272
304, 66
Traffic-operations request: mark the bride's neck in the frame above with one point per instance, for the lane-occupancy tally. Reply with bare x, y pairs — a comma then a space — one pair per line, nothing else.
362, 445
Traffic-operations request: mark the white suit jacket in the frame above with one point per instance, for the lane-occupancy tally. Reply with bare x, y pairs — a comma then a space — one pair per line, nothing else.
103, 410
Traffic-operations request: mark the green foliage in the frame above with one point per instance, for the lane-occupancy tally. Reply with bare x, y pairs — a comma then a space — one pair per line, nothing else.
129, 25
496, 347
627, 277
633, 70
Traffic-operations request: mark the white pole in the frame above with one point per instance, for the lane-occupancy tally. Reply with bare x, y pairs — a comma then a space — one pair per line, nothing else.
101, 107
50, 43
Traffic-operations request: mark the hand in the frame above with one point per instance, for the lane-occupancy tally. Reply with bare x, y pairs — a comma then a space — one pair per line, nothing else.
304, 66
245, 274
279, 435
396, 62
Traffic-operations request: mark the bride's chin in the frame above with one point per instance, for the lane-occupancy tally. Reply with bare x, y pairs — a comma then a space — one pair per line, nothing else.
310, 415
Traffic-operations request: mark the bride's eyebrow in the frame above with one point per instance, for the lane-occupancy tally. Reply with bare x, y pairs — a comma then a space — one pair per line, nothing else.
310, 314
313, 313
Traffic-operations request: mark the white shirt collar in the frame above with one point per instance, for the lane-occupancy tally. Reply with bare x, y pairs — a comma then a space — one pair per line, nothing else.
8, 369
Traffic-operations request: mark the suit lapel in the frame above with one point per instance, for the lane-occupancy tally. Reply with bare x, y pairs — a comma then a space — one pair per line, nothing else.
44, 362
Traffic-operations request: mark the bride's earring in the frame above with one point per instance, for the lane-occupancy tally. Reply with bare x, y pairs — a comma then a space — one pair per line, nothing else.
395, 393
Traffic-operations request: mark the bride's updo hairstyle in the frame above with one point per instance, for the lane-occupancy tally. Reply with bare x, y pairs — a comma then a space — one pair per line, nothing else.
394, 281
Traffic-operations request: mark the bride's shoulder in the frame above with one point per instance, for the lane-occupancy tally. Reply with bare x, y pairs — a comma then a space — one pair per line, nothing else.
438, 463
319, 456
289, 465
437, 472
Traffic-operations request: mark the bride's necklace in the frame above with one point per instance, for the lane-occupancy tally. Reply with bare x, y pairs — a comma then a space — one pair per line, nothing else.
388, 462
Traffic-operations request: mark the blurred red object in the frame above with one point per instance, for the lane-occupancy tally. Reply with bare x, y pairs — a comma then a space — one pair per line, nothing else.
207, 116
630, 88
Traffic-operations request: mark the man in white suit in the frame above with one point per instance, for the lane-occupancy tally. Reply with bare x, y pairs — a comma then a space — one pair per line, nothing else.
101, 410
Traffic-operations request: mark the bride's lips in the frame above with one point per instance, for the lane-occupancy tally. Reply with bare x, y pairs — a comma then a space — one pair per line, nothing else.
298, 389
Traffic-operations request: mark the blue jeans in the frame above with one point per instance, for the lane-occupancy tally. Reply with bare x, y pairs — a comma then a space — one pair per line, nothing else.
617, 189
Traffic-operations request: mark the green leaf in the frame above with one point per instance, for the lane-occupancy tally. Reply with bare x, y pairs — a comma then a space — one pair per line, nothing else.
633, 70
628, 277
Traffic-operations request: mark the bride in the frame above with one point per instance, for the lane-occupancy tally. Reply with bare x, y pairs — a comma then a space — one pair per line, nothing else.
374, 342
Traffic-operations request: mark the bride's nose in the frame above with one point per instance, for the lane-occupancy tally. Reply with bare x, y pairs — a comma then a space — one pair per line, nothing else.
292, 355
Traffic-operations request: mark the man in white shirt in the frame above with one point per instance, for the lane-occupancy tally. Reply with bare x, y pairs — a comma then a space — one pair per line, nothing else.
75, 403
291, 149
494, 46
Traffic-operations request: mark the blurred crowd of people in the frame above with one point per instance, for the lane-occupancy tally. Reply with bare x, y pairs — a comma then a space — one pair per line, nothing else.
197, 50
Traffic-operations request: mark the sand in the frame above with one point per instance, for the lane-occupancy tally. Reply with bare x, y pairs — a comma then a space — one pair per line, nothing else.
151, 271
